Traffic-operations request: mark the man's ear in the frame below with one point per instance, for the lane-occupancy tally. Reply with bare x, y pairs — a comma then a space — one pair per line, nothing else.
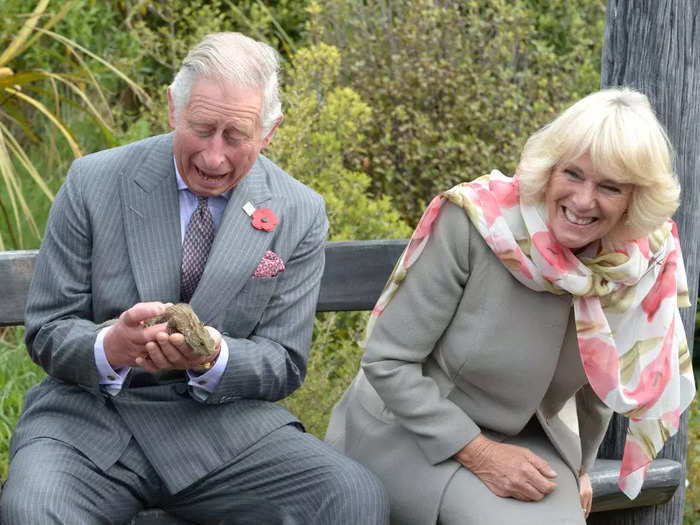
268, 138
171, 109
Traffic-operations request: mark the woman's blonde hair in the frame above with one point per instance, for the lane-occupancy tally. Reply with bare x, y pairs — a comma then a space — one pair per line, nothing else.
626, 143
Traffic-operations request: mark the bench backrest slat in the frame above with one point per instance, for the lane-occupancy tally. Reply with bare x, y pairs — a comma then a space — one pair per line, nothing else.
16, 269
356, 272
353, 279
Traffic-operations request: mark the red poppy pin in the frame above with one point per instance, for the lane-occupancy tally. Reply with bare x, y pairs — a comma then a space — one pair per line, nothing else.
262, 219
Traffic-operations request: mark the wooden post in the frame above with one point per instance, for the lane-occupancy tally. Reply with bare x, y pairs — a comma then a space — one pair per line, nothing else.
654, 46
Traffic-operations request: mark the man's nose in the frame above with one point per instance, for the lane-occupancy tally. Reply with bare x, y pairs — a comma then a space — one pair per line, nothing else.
214, 153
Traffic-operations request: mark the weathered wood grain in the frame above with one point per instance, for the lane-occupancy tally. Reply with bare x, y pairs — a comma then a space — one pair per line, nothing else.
16, 269
355, 273
654, 46
660, 484
354, 276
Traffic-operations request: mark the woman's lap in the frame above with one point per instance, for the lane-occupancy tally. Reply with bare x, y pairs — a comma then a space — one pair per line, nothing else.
467, 501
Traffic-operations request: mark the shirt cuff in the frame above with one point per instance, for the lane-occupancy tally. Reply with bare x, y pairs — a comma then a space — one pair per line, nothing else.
111, 381
204, 384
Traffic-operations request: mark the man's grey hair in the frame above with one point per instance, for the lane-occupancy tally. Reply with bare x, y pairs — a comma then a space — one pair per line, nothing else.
235, 58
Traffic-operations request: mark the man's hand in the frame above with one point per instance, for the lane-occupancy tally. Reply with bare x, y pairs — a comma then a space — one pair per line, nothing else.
509, 471
125, 341
172, 352
586, 491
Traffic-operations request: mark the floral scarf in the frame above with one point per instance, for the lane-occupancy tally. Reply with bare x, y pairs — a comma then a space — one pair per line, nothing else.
626, 299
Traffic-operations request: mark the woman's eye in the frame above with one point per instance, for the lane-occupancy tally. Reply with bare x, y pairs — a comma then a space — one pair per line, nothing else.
572, 174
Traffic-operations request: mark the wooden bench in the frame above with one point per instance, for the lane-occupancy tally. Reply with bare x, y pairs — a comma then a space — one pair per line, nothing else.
355, 275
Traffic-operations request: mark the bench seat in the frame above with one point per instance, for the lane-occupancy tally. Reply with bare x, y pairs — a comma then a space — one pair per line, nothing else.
353, 278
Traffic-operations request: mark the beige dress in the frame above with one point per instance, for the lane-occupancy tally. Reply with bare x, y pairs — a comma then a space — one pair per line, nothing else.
462, 349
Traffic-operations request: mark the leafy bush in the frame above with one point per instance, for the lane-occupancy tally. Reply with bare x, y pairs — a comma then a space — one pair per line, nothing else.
458, 85
322, 129
165, 32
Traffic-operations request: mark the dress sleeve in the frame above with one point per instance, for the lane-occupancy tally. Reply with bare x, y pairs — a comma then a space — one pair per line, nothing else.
407, 331
593, 419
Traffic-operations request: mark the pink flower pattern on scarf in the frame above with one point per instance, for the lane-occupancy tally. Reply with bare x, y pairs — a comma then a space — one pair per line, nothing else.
658, 383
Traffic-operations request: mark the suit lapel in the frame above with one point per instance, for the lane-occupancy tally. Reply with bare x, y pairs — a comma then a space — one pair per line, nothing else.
151, 212
237, 249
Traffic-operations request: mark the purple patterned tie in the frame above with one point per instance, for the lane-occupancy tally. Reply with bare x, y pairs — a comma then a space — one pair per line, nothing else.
199, 237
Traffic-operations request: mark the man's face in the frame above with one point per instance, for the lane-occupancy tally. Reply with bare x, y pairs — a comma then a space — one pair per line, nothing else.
217, 135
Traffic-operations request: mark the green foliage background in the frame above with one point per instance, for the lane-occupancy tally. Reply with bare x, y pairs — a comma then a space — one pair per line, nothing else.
386, 103
458, 86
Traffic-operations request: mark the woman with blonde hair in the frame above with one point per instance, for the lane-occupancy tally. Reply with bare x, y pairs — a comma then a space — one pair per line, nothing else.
523, 312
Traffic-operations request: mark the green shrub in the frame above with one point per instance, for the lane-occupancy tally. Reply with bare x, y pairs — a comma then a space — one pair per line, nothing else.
322, 129
458, 85
165, 32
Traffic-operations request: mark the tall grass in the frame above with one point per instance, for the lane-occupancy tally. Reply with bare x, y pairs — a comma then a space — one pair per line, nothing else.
17, 374
39, 103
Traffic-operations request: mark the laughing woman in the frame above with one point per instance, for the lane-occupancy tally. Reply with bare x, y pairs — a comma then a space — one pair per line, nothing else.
523, 312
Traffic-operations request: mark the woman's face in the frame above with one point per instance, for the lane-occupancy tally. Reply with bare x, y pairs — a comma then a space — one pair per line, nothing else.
582, 204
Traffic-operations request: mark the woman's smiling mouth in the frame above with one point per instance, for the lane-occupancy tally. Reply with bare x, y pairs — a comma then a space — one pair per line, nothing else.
575, 219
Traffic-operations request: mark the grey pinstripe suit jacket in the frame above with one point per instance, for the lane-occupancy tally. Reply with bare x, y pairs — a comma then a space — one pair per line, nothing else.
113, 239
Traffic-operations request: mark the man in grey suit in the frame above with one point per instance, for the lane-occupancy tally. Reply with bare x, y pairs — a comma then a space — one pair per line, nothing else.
130, 416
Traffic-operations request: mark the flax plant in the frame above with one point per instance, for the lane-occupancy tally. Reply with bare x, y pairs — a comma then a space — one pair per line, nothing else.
30, 95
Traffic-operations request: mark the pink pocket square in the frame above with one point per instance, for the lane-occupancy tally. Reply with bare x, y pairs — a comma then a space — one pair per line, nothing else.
269, 266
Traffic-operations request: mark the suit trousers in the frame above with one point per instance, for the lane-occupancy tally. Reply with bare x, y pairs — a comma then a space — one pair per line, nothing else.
288, 477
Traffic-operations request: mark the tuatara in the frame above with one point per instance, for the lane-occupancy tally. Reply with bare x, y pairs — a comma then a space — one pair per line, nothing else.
181, 318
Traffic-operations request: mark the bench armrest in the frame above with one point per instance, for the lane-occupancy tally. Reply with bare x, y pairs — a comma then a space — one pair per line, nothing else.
663, 478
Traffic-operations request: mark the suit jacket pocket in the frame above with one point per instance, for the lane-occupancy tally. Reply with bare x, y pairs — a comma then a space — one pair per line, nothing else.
247, 310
